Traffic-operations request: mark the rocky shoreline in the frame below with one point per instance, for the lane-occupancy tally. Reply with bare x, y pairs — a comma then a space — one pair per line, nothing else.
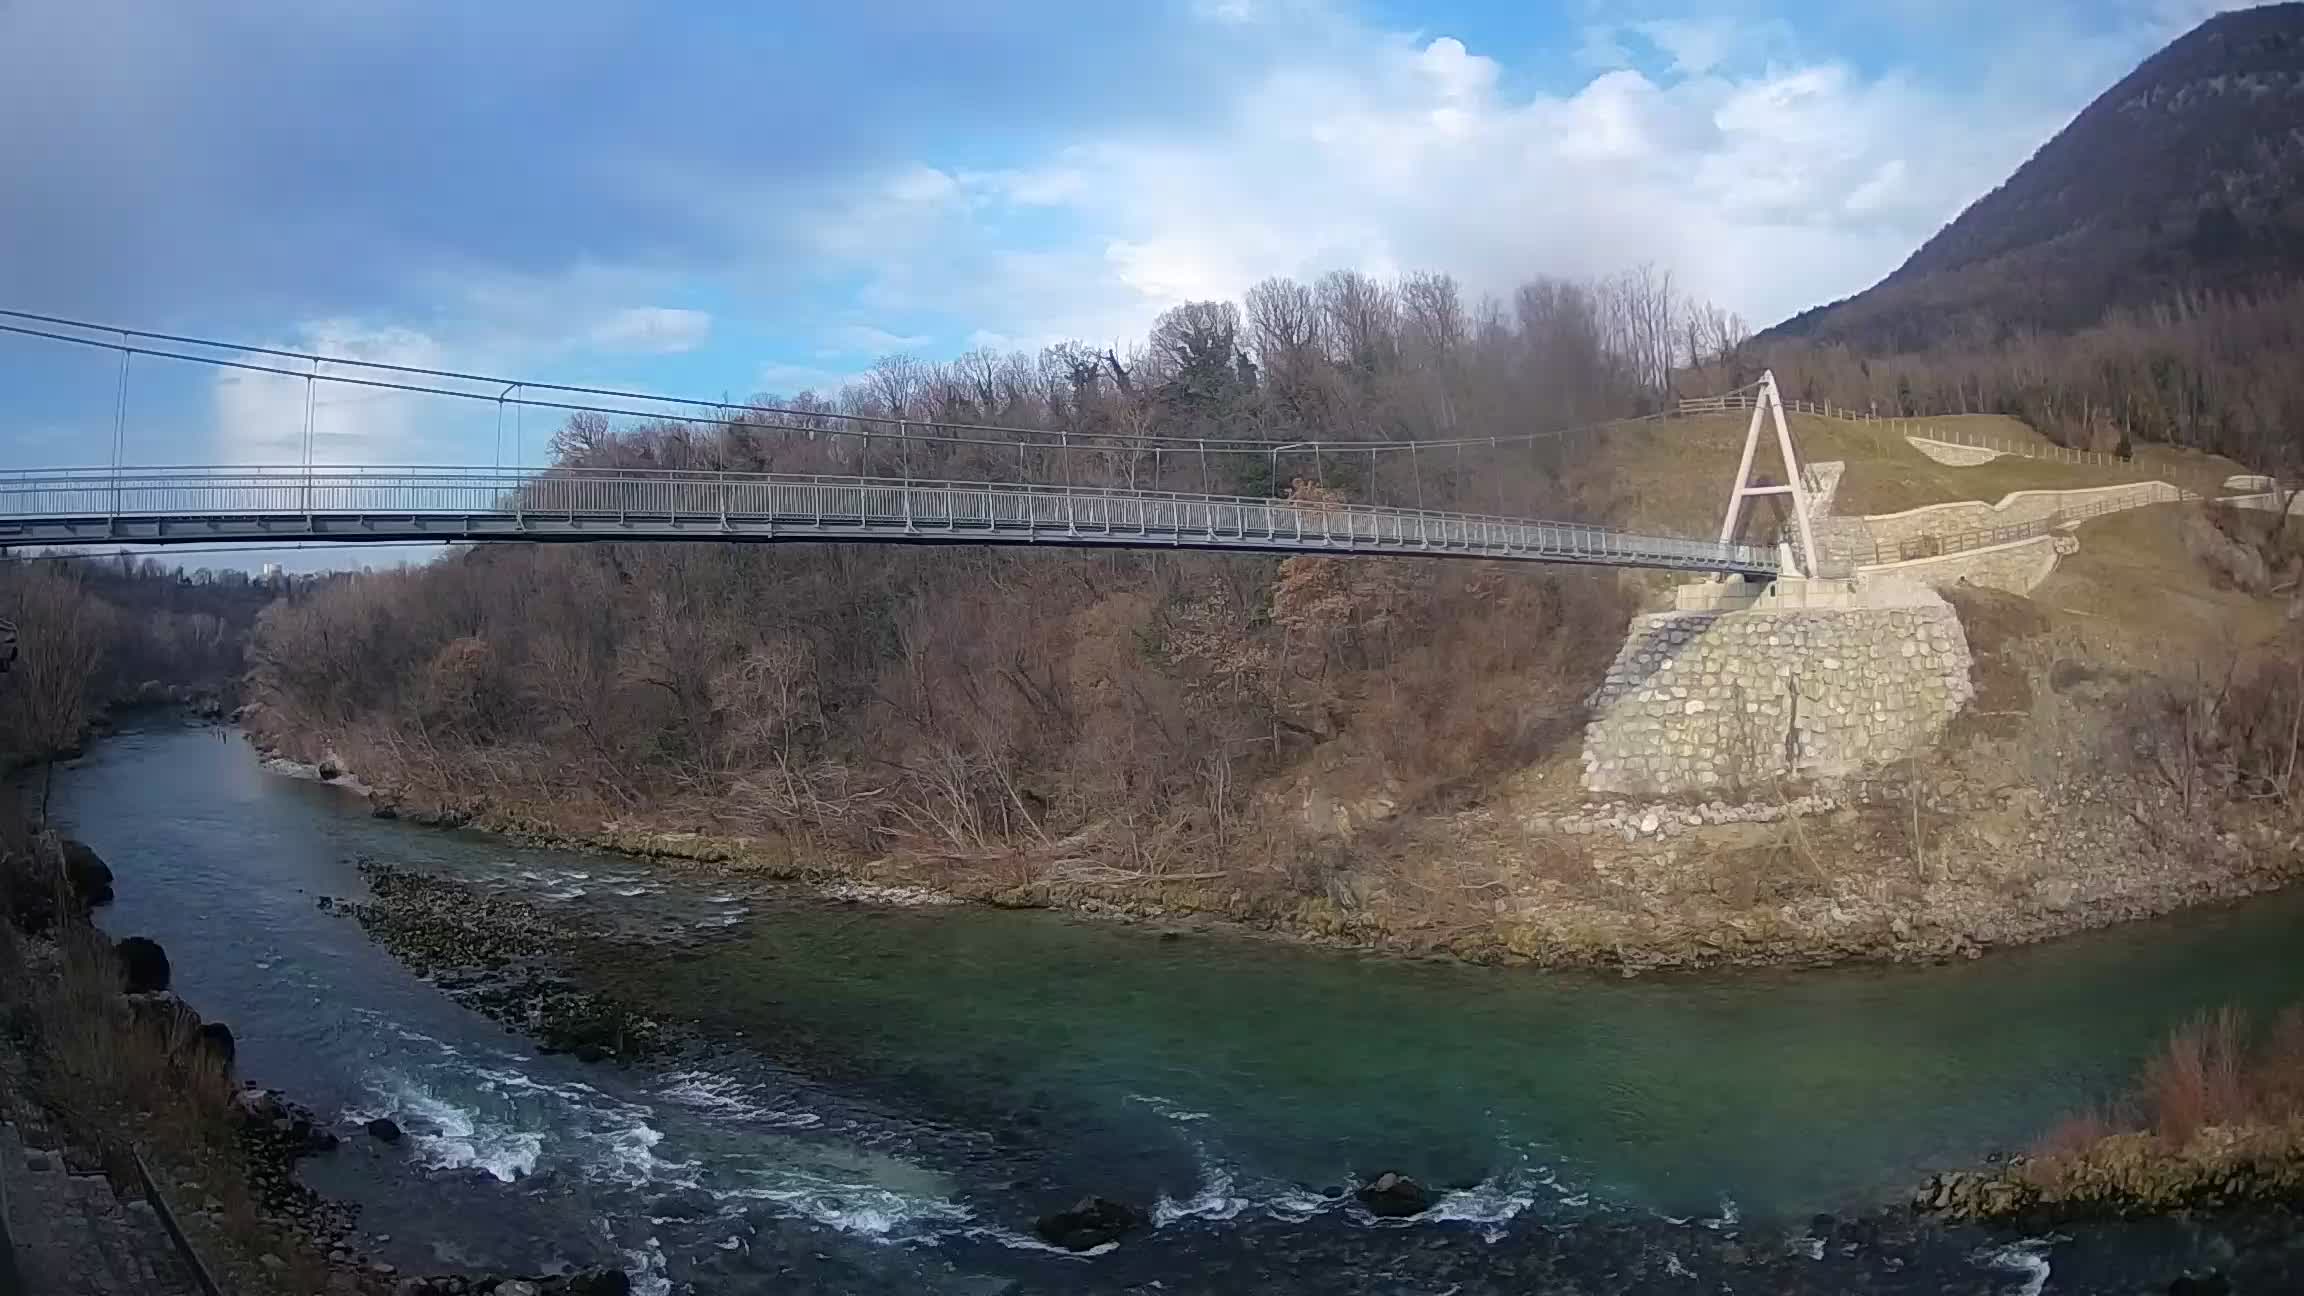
1669, 892
270, 1133
499, 956
1564, 937
2128, 1175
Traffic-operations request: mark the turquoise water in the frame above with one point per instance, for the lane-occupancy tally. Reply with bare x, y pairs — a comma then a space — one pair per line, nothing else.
1786, 1093
884, 1099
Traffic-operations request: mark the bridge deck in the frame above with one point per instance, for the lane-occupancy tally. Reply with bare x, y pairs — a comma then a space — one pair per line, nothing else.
185, 505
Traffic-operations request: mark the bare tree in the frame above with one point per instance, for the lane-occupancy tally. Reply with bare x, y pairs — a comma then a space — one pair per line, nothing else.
60, 643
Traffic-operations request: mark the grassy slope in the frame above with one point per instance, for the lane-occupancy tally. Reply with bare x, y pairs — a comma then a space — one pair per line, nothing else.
1673, 475
2134, 594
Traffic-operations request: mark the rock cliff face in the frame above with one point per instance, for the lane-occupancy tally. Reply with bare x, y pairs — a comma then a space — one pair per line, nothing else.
1733, 701
2184, 176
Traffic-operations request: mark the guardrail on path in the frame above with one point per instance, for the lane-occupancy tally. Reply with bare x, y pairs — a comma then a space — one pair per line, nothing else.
1912, 548
162, 505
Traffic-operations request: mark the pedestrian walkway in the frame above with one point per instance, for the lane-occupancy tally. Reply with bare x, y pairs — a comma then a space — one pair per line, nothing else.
72, 1235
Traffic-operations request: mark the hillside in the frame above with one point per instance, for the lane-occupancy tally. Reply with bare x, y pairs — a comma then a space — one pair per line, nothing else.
2185, 178
1662, 475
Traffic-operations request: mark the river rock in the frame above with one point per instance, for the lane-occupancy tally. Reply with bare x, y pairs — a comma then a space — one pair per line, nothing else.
687, 1204
163, 1013
1394, 1196
143, 965
257, 1107
330, 771
1092, 1222
88, 875
598, 1282
383, 1129
516, 1287
216, 1038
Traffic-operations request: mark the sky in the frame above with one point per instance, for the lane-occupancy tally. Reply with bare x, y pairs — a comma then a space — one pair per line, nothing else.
724, 199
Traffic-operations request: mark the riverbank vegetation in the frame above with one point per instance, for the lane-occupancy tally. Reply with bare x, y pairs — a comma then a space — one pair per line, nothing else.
2216, 1118
96, 634
116, 1076
1049, 718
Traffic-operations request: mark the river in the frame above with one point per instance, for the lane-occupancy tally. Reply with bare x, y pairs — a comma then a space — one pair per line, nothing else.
890, 1096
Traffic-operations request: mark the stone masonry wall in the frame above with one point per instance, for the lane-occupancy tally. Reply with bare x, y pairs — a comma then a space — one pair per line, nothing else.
1710, 701
2017, 567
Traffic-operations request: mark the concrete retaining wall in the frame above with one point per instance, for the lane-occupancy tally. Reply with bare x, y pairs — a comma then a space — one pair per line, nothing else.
1951, 455
1705, 701
2017, 567
2016, 509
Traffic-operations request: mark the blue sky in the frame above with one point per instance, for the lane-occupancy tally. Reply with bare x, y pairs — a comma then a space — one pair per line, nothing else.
739, 198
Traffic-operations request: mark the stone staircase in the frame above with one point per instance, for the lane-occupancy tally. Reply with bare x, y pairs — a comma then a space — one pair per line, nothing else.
71, 1234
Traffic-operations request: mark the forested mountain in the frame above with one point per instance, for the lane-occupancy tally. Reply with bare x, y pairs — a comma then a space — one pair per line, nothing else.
2186, 179
2140, 279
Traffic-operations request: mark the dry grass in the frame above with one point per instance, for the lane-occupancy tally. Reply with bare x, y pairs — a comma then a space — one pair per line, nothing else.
112, 1078
2199, 1079
2075, 1134
1665, 474
2142, 600
2212, 1072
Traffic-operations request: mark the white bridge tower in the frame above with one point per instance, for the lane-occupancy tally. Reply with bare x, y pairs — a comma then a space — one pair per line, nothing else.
1767, 404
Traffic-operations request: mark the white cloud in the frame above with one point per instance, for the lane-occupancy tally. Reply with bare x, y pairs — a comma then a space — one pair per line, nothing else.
1225, 11
652, 330
866, 337
1601, 49
1696, 45
922, 184
791, 379
1769, 182
266, 418
1043, 186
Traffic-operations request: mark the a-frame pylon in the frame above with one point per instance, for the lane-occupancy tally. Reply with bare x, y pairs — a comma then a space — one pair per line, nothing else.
1765, 405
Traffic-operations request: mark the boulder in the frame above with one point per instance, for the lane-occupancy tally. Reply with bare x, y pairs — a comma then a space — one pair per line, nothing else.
687, 1204
598, 1282
86, 872
383, 1130
172, 1022
516, 1287
257, 1107
1091, 1222
1394, 1196
216, 1038
330, 771
143, 965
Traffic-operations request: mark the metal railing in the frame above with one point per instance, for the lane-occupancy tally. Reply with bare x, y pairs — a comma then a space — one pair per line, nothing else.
162, 505
1746, 398
202, 1276
2046, 453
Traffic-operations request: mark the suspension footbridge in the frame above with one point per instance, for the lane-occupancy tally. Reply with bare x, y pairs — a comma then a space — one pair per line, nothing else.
807, 475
